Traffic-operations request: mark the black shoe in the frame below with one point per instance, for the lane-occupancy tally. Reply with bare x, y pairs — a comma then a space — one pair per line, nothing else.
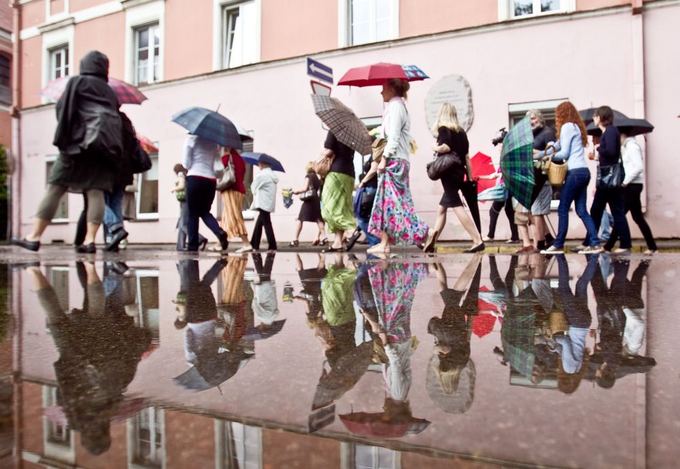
116, 238
353, 239
86, 249
202, 244
480, 247
224, 242
26, 244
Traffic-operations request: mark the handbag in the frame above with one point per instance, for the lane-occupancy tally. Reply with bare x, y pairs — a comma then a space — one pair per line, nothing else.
378, 148
443, 163
141, 162
228, 177
323, 166
307, 195
556, 172
611, 176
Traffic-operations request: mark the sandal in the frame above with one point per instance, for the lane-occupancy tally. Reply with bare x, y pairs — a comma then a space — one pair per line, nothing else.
324, 241
294, 244
316, 242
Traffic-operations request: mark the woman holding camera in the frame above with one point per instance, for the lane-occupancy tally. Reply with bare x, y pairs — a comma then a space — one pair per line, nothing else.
451, 138
571, 132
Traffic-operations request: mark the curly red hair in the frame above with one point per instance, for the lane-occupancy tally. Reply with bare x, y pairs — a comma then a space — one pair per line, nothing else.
566, 112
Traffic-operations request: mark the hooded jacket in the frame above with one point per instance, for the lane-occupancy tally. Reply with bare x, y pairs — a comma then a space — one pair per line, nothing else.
264, 190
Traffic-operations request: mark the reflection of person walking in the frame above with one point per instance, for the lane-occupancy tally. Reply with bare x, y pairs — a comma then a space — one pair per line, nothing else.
88, 108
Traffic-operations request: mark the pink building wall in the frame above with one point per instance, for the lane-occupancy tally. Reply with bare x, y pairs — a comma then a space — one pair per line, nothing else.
418, 17
107, 34
192, 46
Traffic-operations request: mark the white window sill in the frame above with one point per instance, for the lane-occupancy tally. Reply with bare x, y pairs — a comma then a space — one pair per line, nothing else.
538, 15
146, 217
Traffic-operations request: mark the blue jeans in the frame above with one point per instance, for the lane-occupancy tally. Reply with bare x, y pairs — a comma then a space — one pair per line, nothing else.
113, 211
574, 190
363, 225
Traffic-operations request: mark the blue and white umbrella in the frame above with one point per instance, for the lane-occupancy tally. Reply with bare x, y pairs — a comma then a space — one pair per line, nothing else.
210, 125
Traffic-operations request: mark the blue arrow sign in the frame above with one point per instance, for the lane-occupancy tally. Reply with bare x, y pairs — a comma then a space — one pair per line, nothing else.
319, 71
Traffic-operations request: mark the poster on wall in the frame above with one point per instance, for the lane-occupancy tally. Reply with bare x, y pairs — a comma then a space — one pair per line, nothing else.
453, 89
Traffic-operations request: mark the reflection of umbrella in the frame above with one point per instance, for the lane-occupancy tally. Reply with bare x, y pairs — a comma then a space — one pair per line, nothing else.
482, 165
630, 127
257, 333
383, 424
458, 401
209, 125
517, 162
587, 114
212, 370
378, 74
344, 374
125, 92
482, 324
254, 158
147, 145
517, 335
343, 123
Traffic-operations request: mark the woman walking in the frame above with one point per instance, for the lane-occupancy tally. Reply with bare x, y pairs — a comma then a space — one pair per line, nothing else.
232, 198
633, 166
88, 108
338, 185
610, 193
451, 138
311, 206
571, 132
199, 160
394, 219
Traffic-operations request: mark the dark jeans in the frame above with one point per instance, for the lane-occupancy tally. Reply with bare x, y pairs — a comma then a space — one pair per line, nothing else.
200, 195
615, 199
182, 232
469, 190
632, 195
264, 220
575, 305
495, 211
574, 191
113, 210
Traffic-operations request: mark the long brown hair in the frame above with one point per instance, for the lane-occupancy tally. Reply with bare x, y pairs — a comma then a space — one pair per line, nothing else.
565, 113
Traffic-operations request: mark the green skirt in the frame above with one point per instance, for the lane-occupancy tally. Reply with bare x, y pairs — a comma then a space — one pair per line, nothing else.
336, 202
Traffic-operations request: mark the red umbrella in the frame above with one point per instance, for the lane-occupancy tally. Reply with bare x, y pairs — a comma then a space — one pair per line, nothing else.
147, 145
126, 93
378, 74
482, 165
376, 425
482, 324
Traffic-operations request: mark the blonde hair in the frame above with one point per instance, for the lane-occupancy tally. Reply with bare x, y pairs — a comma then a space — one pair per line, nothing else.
448, 117
310, 167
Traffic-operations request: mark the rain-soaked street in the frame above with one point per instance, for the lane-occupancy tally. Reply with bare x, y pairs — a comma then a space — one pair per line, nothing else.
338, 361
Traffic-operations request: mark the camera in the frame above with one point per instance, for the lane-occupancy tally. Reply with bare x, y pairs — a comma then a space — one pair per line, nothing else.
502, 132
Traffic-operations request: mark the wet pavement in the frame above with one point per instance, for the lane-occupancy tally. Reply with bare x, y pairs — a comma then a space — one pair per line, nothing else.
150, 359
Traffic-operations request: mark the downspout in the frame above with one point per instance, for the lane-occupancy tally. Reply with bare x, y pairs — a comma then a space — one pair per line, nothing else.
639, 85
16, 151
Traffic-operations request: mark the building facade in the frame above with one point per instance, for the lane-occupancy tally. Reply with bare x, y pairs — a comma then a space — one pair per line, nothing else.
248, 58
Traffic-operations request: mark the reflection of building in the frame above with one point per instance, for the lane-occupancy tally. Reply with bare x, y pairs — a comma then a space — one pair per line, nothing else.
244, 60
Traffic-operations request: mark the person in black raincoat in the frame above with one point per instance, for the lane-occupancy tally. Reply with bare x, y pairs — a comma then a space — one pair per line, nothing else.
89, 138
99, 350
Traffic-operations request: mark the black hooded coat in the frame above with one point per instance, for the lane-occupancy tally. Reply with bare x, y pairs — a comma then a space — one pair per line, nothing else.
89, 130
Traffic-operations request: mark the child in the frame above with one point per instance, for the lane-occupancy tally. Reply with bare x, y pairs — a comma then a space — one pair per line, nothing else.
180, 192
264, 201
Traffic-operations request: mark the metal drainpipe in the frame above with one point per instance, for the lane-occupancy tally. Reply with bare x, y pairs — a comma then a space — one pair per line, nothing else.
16, 153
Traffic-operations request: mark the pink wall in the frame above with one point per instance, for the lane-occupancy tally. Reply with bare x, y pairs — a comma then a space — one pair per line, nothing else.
31, 73
75, 5
6, 14
187, 54
312, 28
5, 129
32, 14
418, 17
107, 35
57, 6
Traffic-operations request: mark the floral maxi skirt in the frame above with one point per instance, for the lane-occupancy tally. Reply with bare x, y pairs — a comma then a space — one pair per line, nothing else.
393, 210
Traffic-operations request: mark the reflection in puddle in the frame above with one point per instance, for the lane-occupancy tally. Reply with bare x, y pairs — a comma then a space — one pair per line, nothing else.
244, 361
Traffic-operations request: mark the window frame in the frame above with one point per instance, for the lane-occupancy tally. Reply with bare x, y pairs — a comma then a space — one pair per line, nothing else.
133, 438
220, 7
53, 52
138, 16
138, 194
151, 67
345, 23
506, 10
6, 90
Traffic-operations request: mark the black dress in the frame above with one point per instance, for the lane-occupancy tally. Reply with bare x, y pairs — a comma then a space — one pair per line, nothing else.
311, 208
452, 180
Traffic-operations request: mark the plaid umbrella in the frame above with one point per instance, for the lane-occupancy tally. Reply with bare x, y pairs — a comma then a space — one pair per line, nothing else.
126, 93
344, 124
517, 162
209, 125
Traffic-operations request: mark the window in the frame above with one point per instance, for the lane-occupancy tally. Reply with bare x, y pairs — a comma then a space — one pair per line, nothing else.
147, 54
522, 8
370, 21
373, 457
58, 439
145, 438
239, 37
145, 310
59, 62
62, 210
147, 191
239, 445
5, 80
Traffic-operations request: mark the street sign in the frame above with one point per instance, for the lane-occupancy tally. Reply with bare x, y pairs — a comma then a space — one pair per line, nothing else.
319, 71
320, 88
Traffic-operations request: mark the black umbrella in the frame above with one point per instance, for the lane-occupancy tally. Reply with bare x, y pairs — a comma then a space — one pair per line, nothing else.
261, 332
626, 125
587, 114
212, 370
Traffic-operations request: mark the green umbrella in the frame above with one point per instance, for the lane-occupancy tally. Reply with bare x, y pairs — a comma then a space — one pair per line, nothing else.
517, 162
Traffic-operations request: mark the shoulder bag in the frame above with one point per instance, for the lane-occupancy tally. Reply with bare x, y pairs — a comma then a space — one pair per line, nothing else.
556, 172
323, 166
444, 163
611, 176
228, 178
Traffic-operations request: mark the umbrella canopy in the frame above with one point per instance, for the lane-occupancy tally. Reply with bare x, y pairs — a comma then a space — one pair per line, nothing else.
378, 74
375, 425
630, 127
125, 92
517, 162
209, 125
212, 371
147, 145
482, 165
343, 123
258, 333
587, 114
255, 158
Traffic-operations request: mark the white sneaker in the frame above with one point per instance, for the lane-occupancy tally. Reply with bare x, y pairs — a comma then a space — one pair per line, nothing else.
592, 250
244, 249
552, 250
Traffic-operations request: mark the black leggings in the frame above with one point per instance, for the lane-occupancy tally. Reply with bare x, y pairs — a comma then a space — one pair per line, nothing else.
632, 194
495, 211
200, 196
264, 220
